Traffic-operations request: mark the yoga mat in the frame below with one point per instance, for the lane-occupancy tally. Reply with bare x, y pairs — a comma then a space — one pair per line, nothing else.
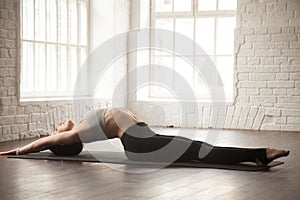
120, 158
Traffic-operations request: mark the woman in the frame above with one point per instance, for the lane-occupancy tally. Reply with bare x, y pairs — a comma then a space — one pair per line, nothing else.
140, 141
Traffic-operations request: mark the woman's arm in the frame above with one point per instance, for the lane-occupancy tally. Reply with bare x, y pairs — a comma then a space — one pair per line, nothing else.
32, 147
67, 137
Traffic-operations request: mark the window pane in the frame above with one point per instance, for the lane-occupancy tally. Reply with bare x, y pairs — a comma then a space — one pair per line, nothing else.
205, 35
40, 67
207, 5
82, 17
82, 56
73, 21
158, 74
83, 73
205, 63
184, 26
182, 5
50, 62
51, 21
51, 67
40, 12
225, 66
163, 24
160, 91
28, 26
73, 64
201, 90
62, 68
163, 5
166, 61
166, 23
27, 66
225, 36
186, 70
212, 31
227, 4
62, 21
102, 91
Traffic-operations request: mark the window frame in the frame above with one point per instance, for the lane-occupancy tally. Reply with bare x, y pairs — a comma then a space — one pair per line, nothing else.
194, 13
46, 94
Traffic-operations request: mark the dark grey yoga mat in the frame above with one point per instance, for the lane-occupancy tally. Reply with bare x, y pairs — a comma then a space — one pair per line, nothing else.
120, 158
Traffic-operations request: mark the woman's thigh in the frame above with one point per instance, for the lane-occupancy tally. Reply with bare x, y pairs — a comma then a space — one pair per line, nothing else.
159, 148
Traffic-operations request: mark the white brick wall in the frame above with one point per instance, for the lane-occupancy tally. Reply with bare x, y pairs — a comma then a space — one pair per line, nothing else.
274, 38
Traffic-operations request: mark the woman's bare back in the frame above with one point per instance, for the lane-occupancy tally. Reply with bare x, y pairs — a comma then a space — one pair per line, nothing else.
118, 120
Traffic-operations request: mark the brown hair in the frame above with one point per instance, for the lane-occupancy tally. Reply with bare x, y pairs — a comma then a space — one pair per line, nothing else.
67, 149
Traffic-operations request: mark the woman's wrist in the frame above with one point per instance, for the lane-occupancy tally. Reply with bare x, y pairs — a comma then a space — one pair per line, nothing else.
18, 152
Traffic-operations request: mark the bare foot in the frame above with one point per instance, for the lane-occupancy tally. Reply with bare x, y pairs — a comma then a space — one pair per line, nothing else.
276, 153
271, 155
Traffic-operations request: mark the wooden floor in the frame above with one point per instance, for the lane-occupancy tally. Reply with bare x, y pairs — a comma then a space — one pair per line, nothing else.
38, 179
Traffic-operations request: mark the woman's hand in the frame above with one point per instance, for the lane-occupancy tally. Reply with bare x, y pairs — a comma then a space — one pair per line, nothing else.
53, 132
11, 152
66, 125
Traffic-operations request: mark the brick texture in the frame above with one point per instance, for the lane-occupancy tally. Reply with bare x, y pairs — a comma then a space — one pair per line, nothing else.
275, 40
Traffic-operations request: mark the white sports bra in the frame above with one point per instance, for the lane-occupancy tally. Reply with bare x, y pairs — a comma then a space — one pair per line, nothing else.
96, 132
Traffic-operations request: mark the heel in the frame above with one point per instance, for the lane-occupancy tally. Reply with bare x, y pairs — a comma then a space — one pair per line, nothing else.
262, 157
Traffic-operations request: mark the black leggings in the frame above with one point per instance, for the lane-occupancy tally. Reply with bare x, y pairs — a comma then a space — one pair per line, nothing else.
142, 144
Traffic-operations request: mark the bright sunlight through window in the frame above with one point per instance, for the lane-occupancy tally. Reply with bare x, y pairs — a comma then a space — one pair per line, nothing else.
54, 45
211, 24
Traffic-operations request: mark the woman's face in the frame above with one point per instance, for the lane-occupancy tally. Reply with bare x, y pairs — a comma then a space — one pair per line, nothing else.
65, 126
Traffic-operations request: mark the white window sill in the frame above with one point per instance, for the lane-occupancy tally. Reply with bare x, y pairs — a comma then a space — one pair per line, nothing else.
25, 100
54, 99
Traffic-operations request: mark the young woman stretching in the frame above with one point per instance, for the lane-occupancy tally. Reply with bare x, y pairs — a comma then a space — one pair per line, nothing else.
139, 141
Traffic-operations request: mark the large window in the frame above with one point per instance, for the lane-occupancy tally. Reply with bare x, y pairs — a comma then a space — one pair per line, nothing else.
211, 24
54, 45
